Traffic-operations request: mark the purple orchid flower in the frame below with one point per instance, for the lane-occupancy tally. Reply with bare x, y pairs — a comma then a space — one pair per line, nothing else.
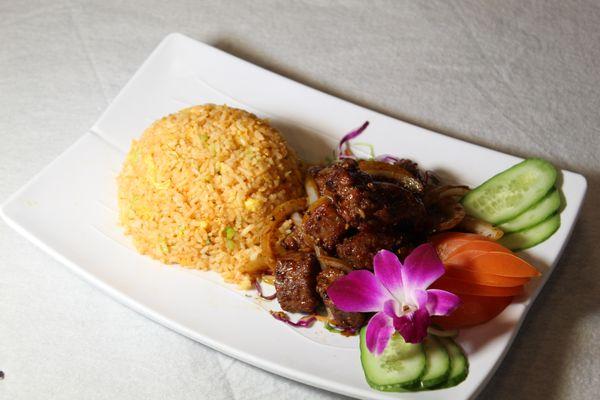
397, 293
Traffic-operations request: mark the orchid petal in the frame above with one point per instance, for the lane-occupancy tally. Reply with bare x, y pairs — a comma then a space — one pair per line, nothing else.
421, 268
413, 326
379, 331
390, 308
388, 269
359, 291
441, 302
420, 298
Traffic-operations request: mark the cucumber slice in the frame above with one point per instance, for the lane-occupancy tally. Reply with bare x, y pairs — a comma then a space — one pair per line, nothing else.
508, 194
536, 214
531, 236
438, 363
459, 365
397, 369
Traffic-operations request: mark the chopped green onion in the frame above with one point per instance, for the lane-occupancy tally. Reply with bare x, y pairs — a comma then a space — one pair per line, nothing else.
343, 332
229, 232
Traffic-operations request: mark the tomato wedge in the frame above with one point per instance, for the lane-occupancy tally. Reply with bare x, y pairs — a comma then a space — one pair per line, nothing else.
496, 263
461, 287
480, 246
474, 310
447, 242
481, 278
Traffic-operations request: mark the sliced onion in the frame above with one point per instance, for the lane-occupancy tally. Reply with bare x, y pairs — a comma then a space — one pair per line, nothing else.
260, 291
454, 214
304, 322
475, 225
280, 214
311, 189
454, 191
297, 219
256, 267
391, 171
318, 251
441, 192
333, 262
318, 203
446, 200
387, 158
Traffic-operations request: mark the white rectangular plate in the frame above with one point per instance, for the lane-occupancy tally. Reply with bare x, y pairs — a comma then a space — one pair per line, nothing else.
70, 211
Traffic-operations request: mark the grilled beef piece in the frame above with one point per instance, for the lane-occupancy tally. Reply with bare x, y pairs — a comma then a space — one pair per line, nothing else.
359, 250
357, 197
337, 317
396, 205
295, 241
296, 280
349, 188
292, 241
323, 226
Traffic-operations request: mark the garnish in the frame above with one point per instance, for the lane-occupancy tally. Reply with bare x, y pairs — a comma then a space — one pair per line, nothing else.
343, 332
229, 232
387, 158
483, 273
229, 235
260, 291
344, 150
397, 293
370, 149
305, 322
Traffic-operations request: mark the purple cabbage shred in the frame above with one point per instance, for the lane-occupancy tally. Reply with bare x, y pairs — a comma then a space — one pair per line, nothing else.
304, 322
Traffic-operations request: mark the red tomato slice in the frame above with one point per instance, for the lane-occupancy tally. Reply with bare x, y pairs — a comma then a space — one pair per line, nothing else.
495, 263
481, 278
474, 310
481, 246
446, 242
461, 287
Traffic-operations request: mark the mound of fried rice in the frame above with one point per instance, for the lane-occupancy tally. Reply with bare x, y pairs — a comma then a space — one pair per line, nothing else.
199, 186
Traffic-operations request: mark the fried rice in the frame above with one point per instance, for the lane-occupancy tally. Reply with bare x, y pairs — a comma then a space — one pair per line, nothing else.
199, 186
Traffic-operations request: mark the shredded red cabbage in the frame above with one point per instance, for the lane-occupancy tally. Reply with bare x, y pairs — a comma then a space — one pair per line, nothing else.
347, 153
260, 291
387, 158
343, 332
304, 322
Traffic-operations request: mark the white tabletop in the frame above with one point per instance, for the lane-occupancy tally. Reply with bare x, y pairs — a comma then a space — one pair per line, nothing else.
520, 77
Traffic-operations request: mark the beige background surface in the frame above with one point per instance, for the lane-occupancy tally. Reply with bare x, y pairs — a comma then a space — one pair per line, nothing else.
518, 76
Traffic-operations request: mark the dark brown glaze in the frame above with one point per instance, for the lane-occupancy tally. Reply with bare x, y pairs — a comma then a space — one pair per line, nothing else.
350, 189
323, 226
296, 280
397, 206
358, 250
